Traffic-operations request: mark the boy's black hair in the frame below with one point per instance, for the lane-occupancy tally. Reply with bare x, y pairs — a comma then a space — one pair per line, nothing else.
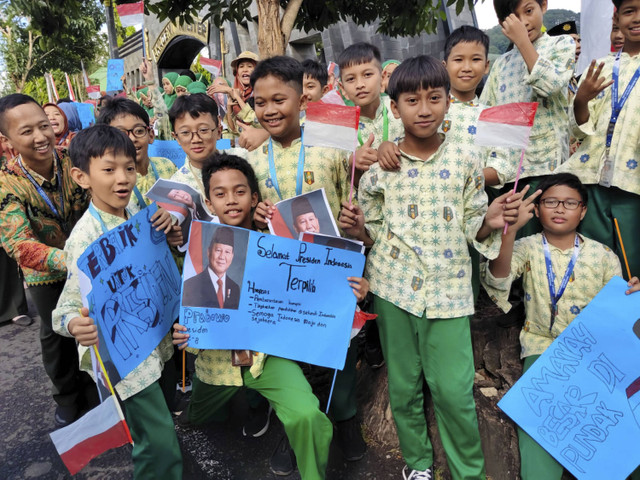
116, 106
357, 54
222, 161
287, 69
504, 8
466, 34
9, 102
195, 105
188, 73
566, 179
421, 72
315, 69
618, 3
94, 142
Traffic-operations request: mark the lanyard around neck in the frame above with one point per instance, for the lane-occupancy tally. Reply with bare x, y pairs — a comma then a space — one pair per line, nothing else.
95, 214
617, 104
59, 214
274, 175
385, 126
551, 277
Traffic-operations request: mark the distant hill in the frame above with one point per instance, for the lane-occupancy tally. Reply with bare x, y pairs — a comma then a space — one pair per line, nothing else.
499, 42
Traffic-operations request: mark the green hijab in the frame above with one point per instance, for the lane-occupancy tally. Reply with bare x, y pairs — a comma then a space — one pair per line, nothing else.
170, 98
197, 87
144, 91
183, 81
201, 77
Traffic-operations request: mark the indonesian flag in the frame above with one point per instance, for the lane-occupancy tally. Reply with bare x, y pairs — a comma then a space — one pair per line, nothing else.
506, 125
72, 95
210, 65
131, 14
53, 86
332, 97
101, 429
330, 125
93, 91
85, 77
359, 319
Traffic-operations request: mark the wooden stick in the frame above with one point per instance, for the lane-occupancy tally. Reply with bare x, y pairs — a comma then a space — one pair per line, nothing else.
624, 254
184, 368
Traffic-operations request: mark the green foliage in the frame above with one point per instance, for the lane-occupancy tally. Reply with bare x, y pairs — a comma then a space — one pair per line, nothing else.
37, 88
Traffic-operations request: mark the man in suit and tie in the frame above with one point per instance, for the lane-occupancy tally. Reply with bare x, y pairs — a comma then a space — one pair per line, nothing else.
212, 288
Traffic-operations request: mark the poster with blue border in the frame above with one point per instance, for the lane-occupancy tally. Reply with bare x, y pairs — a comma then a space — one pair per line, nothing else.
581, 399
135, 291
247, 290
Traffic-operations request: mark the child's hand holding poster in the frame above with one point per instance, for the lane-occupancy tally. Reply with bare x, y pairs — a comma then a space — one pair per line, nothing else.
246, 290
132, 289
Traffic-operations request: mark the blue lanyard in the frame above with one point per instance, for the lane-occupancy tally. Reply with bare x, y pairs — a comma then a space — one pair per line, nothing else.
94, 212
272, 168
43, 194
616, 105
141, 203
551, 277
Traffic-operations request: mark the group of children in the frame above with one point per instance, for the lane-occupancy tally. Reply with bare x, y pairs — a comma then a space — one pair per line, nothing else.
421, 208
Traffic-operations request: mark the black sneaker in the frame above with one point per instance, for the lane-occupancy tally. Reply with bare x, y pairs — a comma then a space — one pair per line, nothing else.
373, 355
283, 460
258, 422
350, 441
65, 415
183, 419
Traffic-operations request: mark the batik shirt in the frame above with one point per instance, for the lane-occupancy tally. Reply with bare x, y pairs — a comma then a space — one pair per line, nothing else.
86, 231
165, 168
324, 167
461, 125
596, 265
29, 231
367, 126
547, 84
422, 218
587, 162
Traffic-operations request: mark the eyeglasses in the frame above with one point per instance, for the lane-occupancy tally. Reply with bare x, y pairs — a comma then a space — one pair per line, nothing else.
569, 204
137, 132
203, 133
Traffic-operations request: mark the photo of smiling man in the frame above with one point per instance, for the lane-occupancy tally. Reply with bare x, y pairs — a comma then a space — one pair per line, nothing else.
213, 287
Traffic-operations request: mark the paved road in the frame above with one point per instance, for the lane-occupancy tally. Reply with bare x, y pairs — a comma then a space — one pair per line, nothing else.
217, 452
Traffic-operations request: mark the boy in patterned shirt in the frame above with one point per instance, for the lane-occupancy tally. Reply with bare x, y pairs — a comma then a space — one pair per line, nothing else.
608, 165
588, 265
285, 169
419, 220
130, 118
538, 69
104, 162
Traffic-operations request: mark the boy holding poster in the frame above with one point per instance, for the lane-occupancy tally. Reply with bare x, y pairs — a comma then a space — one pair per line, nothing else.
285, 169
585, 265
104, 162
419, 220
232, 191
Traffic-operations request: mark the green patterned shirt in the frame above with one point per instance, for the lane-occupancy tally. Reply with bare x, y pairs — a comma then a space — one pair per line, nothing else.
86, 231
165, 167
422, 218
367, 126
548, 84
596, 265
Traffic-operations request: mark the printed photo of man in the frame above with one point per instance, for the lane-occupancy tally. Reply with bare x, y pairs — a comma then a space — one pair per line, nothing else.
304, 218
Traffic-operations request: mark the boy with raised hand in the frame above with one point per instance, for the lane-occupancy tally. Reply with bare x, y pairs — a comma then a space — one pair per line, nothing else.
419, 220
131, 119
538, 69
607, 159
232, 190
104, 162
285, 169
561, 205
39, 205
361, 80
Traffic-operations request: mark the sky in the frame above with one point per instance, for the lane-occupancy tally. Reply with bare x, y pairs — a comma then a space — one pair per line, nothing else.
487, 15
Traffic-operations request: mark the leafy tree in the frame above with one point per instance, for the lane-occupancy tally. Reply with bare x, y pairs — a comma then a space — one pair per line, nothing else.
277, 18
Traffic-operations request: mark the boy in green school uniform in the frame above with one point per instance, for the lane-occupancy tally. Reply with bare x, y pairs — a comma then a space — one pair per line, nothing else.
104, 162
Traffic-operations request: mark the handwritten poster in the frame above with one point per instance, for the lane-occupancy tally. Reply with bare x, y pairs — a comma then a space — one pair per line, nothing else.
115, 71
134, 297
249, 290
581, 399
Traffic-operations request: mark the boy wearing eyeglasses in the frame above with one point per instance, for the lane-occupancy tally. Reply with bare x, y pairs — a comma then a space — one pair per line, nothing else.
579, 267
130, 118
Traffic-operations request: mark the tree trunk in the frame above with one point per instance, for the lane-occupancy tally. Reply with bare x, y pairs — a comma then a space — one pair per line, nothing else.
271, 41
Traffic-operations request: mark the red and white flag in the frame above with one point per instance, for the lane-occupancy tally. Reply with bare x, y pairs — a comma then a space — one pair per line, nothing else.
93, 91
329, 125
359, 319
85, 77
506, 125
72, 95
131, 14
52, 84
210, 65
332, 97
101, 429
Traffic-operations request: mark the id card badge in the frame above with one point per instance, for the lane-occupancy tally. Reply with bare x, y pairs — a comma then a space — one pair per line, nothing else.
606, 172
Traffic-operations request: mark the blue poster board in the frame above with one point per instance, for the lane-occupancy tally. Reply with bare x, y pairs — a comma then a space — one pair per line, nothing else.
134, 297
581, 399
168, 149
86, 114
281, 296
115, 71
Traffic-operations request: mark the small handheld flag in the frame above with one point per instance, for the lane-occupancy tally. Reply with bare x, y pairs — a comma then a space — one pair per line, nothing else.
131, 14
211, 65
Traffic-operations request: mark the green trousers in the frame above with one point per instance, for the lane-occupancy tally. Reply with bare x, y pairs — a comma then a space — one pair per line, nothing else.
283, 384
438, 351
604, 205
343, 403
156, 452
